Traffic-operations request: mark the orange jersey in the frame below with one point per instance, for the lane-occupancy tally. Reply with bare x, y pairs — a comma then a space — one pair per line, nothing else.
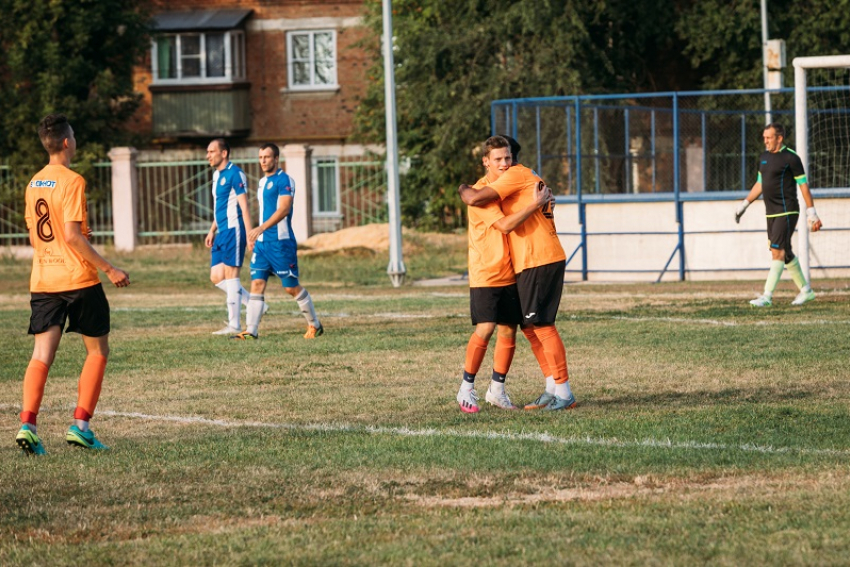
57, 195
489, 255
535, 242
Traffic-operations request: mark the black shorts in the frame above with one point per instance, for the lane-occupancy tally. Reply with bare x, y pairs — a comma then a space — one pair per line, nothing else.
495, 305
779, 233
86, 311
540, 293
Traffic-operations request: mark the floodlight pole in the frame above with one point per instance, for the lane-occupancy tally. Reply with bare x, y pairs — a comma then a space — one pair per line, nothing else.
395, 269
765, 71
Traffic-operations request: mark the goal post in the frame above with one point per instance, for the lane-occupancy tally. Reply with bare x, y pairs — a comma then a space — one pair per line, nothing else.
802, 66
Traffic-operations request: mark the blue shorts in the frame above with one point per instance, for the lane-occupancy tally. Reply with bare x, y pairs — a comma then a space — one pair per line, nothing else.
229, 248
277, 257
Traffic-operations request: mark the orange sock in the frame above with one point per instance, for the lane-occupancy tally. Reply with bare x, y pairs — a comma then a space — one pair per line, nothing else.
503, 355
556, 355
475, 351
537, 349
34, 381
88, 390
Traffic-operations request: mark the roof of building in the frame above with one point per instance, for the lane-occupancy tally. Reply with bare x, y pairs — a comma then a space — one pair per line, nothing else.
200, 20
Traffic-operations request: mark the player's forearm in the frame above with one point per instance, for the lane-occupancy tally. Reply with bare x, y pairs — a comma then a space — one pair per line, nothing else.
81, 245
754, 193
242, 201
477, 197
508, 224
807, 195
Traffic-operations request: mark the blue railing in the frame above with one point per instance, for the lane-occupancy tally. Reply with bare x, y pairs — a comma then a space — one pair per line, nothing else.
666, 146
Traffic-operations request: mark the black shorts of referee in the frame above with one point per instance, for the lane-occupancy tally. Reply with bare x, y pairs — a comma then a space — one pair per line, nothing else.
779, 233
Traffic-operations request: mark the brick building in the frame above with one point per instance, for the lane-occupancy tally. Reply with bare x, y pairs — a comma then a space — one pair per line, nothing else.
288, 71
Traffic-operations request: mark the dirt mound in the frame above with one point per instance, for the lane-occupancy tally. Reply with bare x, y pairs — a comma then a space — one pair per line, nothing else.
375, 238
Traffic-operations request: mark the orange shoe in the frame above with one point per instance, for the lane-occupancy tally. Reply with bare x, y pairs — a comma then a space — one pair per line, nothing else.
313, 332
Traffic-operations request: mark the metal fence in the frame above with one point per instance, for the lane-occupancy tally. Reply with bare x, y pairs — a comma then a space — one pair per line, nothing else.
694, 142
13, 228
175, 200
632, 148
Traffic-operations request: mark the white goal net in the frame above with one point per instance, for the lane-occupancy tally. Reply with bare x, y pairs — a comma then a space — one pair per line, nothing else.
822, 128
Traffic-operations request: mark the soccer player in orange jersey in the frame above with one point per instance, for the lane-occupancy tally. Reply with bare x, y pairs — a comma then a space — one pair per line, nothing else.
493, 296
64, 286
539, 262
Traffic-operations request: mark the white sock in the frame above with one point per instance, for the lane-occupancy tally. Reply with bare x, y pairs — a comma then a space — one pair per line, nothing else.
466, 386
550, 384
254, 313
305, 303
234, 303
563, 391
222, 285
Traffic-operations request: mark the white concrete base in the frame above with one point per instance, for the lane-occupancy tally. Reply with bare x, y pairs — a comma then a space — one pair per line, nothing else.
715, 247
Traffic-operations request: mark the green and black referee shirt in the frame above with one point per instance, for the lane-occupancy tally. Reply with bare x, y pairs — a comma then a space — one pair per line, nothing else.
779, 175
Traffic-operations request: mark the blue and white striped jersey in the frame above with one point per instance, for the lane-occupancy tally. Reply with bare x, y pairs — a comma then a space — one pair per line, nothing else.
226, 185
269, 191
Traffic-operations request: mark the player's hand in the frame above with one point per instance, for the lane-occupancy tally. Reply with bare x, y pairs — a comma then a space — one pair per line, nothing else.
208, 241
118, 277
253, 235
814, 222
544, 196
742, 208
89, 233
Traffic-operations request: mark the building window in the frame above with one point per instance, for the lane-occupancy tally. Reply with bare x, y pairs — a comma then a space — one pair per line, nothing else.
325, 187
311, 60
200, 58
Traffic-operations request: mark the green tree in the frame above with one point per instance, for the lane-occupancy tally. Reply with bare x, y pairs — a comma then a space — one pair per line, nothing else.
454, 58
724, 38
70, 56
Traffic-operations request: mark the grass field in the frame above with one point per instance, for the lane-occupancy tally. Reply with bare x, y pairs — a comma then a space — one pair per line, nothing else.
706, 432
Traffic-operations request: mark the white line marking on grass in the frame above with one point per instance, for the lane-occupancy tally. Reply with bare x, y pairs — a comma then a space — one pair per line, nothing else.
431, 432
658, 319
636, 319
537, 437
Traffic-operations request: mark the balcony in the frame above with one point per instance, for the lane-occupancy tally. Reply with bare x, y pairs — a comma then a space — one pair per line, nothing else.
201, 111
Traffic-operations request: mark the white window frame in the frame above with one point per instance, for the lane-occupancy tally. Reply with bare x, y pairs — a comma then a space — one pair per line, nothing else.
315, 182
234, 71
290, 75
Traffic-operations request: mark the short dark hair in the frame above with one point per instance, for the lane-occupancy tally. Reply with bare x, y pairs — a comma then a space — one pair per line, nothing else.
53, 130
275, 149
223, 145
494, 143
778, 128
515, 148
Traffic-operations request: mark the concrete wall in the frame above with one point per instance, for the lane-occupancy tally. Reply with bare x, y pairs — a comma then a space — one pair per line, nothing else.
715, 247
